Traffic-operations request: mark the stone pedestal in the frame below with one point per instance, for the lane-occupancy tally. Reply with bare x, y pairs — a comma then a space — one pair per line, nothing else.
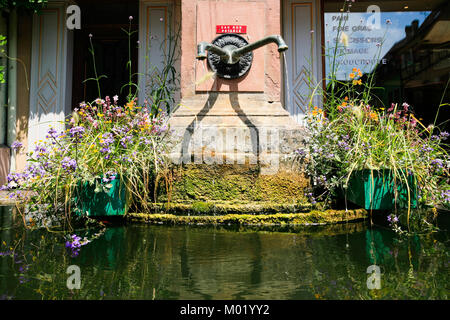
234, 129
233, 140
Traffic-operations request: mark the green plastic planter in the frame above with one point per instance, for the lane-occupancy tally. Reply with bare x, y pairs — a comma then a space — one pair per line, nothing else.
100, 204
374, 190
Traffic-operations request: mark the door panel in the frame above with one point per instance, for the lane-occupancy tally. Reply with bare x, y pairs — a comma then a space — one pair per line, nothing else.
50, 89
303, 69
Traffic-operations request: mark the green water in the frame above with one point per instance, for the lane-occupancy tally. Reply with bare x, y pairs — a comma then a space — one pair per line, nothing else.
186, 262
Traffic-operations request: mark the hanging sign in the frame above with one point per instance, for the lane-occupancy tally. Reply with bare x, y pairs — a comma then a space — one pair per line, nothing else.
231, 29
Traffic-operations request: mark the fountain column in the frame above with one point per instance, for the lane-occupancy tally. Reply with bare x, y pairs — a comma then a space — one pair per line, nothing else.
234, 136
246, 113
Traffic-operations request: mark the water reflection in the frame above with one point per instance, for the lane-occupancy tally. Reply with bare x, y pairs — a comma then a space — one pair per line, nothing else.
162, 262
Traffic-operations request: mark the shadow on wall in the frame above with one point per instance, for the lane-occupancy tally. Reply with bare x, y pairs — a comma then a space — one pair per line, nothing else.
186, 156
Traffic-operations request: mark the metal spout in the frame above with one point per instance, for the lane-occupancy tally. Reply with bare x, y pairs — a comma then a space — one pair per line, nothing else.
203, 46
232, 55
237, 53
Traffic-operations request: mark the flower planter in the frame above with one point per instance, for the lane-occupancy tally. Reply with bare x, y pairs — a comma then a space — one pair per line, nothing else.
99, 204
374, 190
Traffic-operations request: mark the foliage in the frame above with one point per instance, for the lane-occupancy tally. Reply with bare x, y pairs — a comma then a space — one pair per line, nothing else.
34, 5
353, 132
103, 141
3, 42
362, 137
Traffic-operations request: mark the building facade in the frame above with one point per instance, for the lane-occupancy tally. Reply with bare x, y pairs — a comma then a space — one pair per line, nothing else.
48, 61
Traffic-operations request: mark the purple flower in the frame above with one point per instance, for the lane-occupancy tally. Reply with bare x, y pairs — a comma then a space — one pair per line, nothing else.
445, 195
434, 137
40, 150
125, 140
444, 135
438, 163
69, 164
77, 132
16, 145
51, 133
109, 176
392, 218
74, 244
107, 140
426, 148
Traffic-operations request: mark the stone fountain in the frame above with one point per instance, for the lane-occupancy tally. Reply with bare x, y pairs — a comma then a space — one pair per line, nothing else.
236, 145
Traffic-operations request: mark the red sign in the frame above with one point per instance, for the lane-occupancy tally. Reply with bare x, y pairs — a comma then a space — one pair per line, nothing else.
231, 29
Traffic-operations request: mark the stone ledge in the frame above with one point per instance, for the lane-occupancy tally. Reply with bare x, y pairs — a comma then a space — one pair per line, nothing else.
228, 207
5, 200
279, 219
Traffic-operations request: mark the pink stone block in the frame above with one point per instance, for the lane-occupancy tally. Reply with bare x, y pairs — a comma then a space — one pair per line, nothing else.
250, 14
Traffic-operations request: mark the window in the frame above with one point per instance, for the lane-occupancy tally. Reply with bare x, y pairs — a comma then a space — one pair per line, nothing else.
406, 44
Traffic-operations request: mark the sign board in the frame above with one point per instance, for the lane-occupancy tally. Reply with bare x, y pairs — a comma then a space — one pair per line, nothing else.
231, 29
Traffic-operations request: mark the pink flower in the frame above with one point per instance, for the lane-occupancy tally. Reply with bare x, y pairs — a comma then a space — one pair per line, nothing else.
99, 101
116, 98
95, 124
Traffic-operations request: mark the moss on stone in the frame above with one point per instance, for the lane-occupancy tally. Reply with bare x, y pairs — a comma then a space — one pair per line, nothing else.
312, 217
229, 207
201, 182
201, 207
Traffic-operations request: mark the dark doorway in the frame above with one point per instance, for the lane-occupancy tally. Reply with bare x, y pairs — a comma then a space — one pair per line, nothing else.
104, 19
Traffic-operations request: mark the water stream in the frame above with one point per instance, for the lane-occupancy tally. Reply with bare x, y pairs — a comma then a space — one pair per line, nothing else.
286, 74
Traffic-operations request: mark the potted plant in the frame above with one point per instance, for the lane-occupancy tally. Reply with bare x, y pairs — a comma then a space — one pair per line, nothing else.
381, 159
108, 154
106, 158
362, 151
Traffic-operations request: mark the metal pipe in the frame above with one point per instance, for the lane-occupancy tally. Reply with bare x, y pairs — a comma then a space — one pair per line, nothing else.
237, 53
232, 56
203, 46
